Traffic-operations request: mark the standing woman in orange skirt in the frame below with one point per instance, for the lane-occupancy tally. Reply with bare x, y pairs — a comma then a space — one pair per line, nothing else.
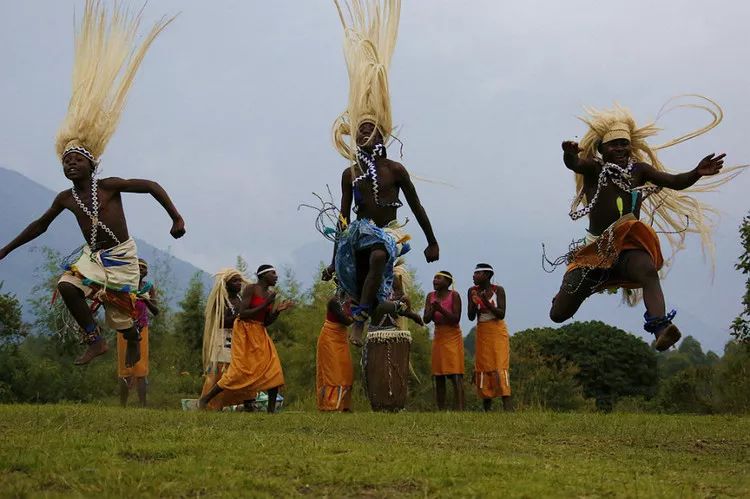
443, 307
492, 359
334, 370
255, 365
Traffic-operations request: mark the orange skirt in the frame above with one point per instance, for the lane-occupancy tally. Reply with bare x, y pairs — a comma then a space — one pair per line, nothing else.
447, 350
334, 370
627, 233
492, 361
140, 369
255, 365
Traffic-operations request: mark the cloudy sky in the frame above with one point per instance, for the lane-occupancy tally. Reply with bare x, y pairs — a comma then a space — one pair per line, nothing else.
232, 109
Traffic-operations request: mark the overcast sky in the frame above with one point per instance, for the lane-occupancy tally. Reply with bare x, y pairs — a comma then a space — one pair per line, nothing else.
232, 110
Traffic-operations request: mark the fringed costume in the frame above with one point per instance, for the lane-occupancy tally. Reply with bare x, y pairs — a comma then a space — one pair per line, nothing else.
672, 213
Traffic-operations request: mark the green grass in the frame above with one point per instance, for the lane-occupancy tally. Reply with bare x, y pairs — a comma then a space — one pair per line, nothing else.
73, 450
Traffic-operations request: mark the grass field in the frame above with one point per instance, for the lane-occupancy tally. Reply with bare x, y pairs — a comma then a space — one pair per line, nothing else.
71, 450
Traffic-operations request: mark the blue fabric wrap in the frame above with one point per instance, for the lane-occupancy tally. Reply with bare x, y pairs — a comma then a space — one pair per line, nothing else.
363, 234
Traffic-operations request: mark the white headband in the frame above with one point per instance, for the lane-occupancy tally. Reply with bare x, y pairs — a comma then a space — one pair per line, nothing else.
269, 269
82, 151
483, 268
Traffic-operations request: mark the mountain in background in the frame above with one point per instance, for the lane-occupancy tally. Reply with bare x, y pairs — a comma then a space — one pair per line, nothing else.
21, 201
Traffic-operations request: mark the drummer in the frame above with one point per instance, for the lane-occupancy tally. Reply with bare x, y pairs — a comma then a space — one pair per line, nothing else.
486, 303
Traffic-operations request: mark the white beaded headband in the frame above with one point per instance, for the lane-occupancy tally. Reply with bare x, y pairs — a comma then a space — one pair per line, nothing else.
82, 151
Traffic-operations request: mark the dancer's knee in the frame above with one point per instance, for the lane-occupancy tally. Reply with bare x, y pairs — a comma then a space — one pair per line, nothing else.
644, 271
557, 314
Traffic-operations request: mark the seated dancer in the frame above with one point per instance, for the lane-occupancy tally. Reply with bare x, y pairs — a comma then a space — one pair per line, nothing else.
492, 355
367, 247
333, 361
105, 64
222, 308
615, 184
254, 365
138, 374
443, 307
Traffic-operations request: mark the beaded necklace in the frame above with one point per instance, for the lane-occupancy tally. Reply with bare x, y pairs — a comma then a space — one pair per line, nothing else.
619, 176
93, 213
371, 172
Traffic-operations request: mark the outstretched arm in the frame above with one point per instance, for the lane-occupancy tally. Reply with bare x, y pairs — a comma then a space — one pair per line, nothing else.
346, 208
141, 186
35, 228
432, 253
710, 165
573, 162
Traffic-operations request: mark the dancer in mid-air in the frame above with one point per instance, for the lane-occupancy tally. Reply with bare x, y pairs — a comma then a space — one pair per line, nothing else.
367, 247
619, 178
105, 64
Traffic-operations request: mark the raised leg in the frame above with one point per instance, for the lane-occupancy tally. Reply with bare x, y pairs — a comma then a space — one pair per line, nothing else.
75, 301
637, 266
577, 285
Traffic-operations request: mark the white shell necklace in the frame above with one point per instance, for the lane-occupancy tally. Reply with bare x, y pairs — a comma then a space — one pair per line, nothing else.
93, 213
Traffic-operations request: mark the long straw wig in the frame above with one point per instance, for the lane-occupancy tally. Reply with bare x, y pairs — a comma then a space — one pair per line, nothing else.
672, 213
105, 63
217, 301
370, 31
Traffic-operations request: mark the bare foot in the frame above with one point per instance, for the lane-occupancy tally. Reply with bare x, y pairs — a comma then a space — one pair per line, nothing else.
95, 349
667, 337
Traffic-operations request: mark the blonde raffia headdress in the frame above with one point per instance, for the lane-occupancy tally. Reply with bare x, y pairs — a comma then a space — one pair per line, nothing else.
105, 63
370, 31
672, 213
216, 302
